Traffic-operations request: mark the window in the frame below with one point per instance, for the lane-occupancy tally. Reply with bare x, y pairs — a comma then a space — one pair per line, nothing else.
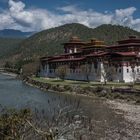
50, 71
119, 70
137, 69
127, 70
132, 70
95, 70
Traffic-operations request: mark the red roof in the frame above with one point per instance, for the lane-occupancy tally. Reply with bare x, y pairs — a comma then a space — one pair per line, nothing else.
61, 56
68, 59
131, 39
75, 40
124, 45
126, 53
98, 54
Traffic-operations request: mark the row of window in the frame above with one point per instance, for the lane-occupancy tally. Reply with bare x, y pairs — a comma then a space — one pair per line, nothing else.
133, 70
78, 71
127, 70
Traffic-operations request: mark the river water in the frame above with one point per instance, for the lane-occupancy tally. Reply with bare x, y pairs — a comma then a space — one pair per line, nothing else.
15, 94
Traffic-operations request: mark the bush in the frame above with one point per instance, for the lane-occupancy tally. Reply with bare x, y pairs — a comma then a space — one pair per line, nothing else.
67, 87
138, 101
13, 123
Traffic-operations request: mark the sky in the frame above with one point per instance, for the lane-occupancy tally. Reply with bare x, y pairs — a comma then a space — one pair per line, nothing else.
36, 15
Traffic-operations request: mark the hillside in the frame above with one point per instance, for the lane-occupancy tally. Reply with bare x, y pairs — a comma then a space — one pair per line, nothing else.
9, 46
10, 40
112, 33
11, 33
48, 42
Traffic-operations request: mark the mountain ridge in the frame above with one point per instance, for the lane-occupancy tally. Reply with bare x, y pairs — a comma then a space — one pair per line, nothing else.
12, 33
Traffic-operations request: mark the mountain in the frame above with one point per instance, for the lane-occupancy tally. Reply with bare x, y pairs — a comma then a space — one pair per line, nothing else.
9, 46
10, 42
11, 33
49, 42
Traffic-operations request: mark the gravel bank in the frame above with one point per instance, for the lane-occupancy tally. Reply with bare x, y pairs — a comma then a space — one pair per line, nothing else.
130, 111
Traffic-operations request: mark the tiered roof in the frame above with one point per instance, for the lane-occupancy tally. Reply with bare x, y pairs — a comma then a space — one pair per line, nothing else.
131, 41
74, 40
98, 49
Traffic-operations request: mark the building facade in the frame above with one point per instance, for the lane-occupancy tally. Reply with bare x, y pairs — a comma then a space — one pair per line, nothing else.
94, 61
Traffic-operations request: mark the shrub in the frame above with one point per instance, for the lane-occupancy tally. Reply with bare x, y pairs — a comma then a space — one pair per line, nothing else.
67, 87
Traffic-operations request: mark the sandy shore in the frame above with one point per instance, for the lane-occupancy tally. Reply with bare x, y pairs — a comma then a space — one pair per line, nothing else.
130, 111
9, 74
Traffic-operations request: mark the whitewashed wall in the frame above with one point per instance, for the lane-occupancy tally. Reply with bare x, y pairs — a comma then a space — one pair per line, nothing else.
122, 76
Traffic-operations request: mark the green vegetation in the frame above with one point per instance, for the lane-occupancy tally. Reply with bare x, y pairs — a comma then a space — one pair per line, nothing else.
9, 46
13, 124
56, 81
62, 82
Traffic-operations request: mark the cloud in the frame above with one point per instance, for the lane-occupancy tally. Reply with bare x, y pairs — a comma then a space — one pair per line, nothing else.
17, 16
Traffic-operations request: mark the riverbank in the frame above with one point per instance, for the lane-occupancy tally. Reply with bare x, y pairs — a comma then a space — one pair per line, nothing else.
10, 74
85, 89
122, 103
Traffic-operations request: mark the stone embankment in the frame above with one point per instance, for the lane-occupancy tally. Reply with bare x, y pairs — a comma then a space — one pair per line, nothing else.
122, 93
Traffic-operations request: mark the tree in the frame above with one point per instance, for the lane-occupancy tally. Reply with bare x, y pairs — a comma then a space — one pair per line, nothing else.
30, 69
107, 73
86, 70
62, 71
8, 64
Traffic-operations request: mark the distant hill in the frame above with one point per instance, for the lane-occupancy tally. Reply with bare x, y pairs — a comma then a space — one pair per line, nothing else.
10, 42
49, 42
10, 33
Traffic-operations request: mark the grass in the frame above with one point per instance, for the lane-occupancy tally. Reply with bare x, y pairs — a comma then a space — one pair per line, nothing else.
55, 81
61, 82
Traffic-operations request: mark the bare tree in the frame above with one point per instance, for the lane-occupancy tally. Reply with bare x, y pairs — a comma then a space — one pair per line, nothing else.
25, 124
107, 73
30, 68
62, 71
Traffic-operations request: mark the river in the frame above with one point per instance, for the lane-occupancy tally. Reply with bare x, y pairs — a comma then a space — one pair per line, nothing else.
15, 94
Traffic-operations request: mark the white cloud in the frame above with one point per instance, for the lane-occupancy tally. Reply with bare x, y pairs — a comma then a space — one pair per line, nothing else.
19, 17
